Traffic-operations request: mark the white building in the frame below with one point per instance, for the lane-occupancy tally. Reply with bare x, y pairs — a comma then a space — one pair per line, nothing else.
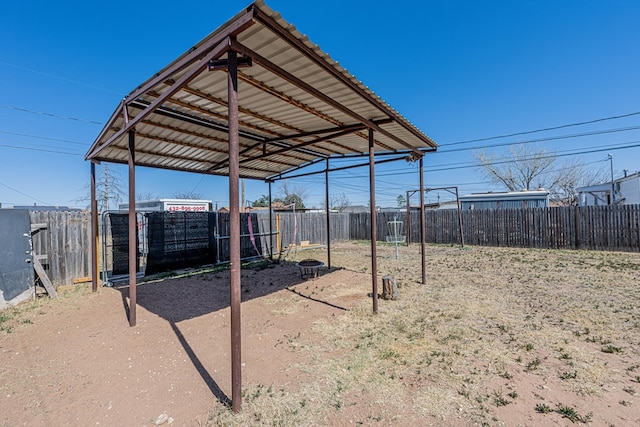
506, 200
170, 205
626, 192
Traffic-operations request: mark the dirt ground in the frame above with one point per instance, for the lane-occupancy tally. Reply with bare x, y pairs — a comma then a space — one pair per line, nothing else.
496, 337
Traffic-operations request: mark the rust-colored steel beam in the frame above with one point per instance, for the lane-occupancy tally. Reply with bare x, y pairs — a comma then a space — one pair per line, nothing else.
94, 231
133, 246
196, 53
245, 174
163, 111
459, 218
327, 209
285, 150
310, 53
270, 66
304, 107
246, 111
378, 143
288, 99
422, 225
374, 225
219, 101
300, 175
350, 128
206, 164
234, 241
203, 147
270, 224
192, 119
408, 232
168, 93
300, 145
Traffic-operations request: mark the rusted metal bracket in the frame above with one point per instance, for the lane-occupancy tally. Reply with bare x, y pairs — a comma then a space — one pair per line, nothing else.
223, 64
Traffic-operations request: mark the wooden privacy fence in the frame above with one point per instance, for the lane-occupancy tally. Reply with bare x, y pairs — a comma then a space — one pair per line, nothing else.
614, 228
66, 242
311, 227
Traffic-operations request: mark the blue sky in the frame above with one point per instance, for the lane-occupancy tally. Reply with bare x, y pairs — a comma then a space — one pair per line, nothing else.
459, 70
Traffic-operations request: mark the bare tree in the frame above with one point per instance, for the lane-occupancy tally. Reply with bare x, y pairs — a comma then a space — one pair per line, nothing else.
572, 175
146, 195
338, 202
522, 169
529, 167
291, 194
191, 195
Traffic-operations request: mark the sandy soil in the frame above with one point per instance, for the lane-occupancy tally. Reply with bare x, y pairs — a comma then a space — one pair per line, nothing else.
79, 362
76, 361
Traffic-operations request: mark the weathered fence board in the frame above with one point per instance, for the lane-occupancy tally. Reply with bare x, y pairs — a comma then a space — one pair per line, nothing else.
66, 242
614, 228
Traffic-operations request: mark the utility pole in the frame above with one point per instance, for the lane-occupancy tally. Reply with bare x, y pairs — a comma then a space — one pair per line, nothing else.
613, 188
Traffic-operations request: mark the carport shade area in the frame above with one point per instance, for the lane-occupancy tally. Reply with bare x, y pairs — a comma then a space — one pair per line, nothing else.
254, 99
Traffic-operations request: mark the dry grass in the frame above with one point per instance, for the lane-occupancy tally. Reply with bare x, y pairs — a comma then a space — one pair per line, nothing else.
495, 335
12, 319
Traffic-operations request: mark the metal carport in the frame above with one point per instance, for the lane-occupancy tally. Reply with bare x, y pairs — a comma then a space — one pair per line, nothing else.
298, 108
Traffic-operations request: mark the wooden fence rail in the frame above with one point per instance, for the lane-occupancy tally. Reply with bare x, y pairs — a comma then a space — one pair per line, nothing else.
612, 228
66, 241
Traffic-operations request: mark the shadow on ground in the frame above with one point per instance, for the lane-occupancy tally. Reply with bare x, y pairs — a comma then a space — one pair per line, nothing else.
176, 299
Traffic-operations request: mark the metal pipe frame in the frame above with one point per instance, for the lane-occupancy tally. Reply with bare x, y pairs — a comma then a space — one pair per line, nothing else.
270, 224
327, 209
422, 225
374, 233
460, 218
447, 189
215, 53
360, 165
234, 243
408, 203
94, 231
132, 230
273, 68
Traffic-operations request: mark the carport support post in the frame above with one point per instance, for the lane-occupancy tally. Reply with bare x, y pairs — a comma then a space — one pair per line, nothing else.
234, 241
374, 234
270, 225
422, 226
133, 253
94, 231
408, 203
327, 208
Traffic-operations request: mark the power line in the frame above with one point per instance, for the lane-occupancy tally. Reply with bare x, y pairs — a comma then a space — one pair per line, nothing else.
44, 137
42, 113
465, 165
40, 150
64, 79
25, 194
551, 138
635, 144
543, 129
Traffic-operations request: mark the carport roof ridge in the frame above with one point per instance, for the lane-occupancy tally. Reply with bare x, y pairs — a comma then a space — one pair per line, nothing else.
297, 107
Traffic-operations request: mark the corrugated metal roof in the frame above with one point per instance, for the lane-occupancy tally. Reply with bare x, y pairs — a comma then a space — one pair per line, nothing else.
297, 105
